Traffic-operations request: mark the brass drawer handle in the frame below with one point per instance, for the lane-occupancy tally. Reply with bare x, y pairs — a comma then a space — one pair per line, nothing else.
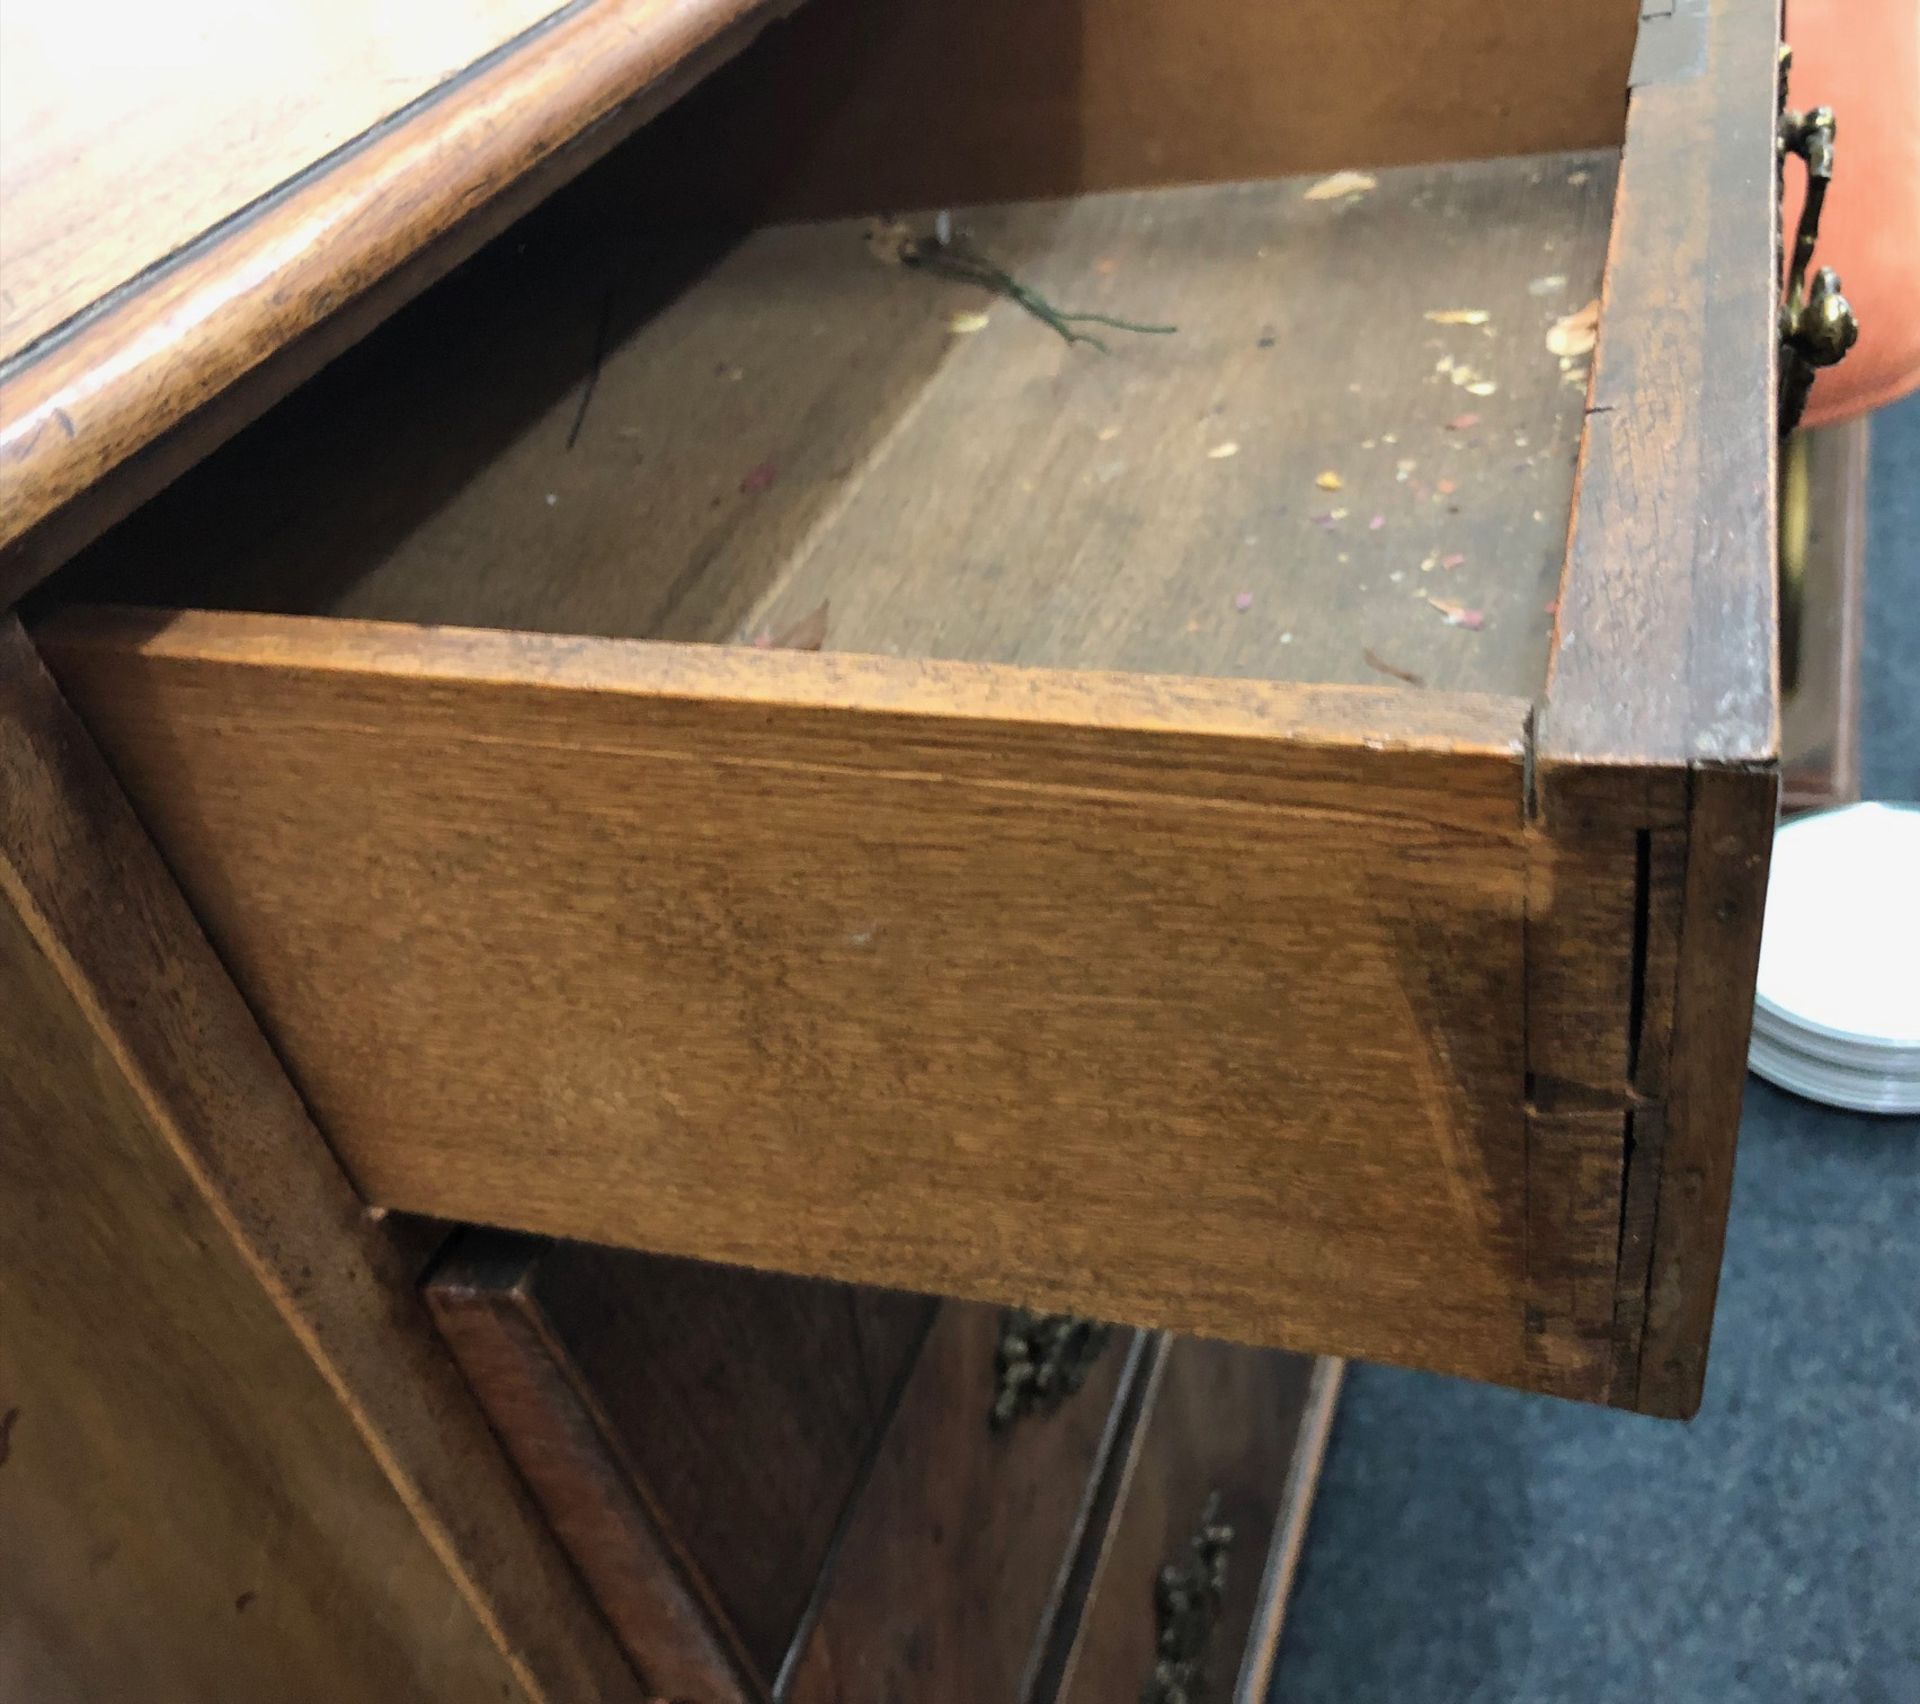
1186, 1605
1817, 323
1042, 1359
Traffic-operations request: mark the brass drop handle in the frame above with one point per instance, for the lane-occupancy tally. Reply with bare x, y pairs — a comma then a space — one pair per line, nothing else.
1042, 1359
1817, 323
1186, 1606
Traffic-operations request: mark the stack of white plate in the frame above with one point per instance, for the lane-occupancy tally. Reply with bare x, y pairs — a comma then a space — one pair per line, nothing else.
1838, 1013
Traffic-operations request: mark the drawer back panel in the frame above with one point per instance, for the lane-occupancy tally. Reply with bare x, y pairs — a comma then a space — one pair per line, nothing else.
859, 105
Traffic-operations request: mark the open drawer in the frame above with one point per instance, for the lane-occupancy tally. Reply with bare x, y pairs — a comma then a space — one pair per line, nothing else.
1272, 842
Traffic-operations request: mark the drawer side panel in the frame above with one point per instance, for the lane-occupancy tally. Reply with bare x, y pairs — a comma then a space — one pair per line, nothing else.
1196, 1005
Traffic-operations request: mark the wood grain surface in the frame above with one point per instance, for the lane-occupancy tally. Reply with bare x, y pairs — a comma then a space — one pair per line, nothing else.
859, 106
1729, 843
1193, 1003
236, 1462
550, 1422
694, 1432
1132, 501
1669, 582
750, 1401
1603, 918
1218, 1421
1660, 722
952, 1563
995, 496
127, 131
342, 247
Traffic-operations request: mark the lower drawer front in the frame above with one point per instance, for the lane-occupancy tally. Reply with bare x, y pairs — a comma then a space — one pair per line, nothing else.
961, 1548
1183, 1591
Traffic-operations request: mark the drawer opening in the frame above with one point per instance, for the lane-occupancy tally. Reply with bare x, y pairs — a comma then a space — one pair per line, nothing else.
661, 408
1273, 983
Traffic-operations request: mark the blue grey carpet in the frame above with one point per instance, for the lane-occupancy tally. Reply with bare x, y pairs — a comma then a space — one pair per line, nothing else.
1475, 1546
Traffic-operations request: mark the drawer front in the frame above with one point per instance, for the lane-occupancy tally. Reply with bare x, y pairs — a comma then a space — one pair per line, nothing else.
693, 1432
1183, 1592
958, 1554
